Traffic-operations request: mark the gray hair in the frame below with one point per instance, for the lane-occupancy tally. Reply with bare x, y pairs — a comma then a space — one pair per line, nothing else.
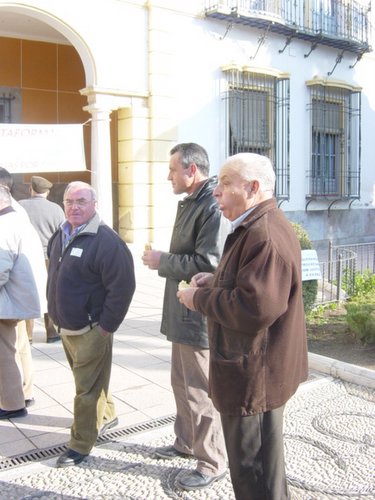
81, 185
5, 198
253, 167
190, 152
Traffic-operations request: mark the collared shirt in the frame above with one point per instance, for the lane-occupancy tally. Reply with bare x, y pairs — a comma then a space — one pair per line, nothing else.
67, 236
6, 210
237, 222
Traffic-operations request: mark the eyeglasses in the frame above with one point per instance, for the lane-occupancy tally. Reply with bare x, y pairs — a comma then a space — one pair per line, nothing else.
78, 203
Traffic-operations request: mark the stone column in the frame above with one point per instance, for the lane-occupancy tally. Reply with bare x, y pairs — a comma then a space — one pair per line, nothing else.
101, 166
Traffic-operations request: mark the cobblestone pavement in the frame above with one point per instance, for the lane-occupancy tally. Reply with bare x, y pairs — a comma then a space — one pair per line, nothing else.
329, 424
329, 444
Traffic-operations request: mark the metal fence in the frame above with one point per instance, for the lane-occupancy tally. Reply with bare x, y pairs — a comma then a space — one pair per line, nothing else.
337, 281
365, 255
340, 19
337, 278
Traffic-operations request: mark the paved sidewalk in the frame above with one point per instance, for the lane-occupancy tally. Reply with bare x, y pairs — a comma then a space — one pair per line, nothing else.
140, 381
329, 446
329, 425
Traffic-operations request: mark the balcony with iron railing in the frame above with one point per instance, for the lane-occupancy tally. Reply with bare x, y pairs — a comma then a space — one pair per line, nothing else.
342, 24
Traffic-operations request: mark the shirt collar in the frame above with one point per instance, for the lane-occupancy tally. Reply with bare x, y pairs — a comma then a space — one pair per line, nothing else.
66, 228
237, 222
6, 210
67, 236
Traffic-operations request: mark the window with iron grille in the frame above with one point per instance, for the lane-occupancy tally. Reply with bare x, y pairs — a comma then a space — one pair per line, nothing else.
5, 109
335, 142
257, 119
10, 105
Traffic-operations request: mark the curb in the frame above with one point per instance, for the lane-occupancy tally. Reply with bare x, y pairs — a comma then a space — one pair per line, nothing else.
344, 371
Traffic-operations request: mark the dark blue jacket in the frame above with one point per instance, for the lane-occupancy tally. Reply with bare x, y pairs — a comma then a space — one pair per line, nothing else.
92, 280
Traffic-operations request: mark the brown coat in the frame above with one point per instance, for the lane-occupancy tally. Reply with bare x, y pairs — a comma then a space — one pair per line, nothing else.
258, 347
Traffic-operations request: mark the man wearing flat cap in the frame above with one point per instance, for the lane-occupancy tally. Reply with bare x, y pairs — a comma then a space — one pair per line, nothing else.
46, 216
40, 185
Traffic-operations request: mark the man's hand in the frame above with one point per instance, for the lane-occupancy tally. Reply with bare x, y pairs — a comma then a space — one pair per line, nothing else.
151, 258
202, 279
186, 295
103, 332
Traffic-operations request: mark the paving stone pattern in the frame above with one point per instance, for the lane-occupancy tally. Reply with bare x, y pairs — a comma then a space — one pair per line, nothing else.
329, 443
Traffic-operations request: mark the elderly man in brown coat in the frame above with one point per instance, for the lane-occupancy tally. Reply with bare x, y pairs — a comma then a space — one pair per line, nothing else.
258, 348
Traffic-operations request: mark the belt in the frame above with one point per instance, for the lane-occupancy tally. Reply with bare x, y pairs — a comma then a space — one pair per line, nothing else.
81, 331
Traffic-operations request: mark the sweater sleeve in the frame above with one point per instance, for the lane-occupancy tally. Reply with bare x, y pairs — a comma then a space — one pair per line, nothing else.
6, 264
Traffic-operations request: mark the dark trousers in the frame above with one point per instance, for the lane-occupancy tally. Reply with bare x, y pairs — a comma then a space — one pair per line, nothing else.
255, 450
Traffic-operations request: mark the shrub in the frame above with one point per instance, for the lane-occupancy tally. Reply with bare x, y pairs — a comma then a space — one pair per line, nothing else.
364, 283
361, 316
361, 320
309, 288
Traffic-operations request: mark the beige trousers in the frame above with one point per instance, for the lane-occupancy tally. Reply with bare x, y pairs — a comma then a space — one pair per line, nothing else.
15, 365
24, 360
197, 427
90, 358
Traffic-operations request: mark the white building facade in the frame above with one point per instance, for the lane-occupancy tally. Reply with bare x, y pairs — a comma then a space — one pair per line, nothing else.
291, 80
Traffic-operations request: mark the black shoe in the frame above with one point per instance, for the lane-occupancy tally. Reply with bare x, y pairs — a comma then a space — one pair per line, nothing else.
22, 412
169, 452
53, 339
108, 426
195, 480
70, 457
29, 402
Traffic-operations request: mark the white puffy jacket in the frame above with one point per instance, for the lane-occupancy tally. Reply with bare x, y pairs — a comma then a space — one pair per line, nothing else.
23, 272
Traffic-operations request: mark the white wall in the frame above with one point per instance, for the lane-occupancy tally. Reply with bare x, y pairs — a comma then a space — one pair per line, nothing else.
202, 52
112, 39
110, 36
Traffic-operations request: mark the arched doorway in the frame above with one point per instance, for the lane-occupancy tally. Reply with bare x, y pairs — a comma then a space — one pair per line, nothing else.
49, 67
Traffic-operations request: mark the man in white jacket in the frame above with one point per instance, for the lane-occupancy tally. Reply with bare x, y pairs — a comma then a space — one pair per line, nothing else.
22, 296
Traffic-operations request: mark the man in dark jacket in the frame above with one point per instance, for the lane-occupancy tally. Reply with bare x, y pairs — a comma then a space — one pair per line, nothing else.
198, 235
258, 348
90, 285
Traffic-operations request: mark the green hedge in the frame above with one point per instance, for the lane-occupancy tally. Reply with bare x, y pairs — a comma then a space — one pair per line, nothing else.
309, 288
361, 316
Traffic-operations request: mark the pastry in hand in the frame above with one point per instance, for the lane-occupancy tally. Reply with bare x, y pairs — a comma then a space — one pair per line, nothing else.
183, 284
